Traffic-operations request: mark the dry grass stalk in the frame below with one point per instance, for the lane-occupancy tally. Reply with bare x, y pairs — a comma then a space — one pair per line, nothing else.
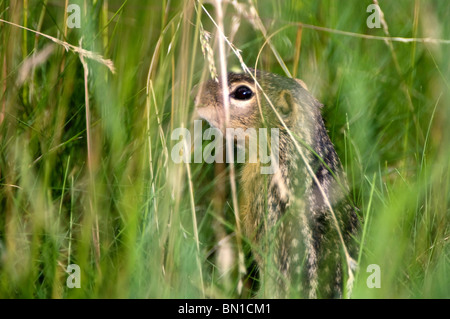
92, 206
208, 52
223, 74
67, 46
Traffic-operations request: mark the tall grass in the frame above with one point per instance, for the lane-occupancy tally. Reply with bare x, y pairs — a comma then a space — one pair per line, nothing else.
86, 175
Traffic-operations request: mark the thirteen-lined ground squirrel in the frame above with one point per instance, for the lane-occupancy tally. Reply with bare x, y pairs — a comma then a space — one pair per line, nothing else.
294, 238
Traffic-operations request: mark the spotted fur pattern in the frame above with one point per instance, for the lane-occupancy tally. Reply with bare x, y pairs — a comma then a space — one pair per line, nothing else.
295, 241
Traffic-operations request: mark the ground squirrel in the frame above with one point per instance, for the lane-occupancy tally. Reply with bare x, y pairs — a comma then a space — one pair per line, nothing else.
294, 239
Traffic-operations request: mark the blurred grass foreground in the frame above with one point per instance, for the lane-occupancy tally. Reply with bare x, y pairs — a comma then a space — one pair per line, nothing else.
88, 104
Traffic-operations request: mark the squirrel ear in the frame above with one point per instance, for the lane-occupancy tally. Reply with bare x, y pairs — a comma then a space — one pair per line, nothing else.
302, 84
285, 102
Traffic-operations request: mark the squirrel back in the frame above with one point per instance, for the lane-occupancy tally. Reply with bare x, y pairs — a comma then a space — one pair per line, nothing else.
294, 237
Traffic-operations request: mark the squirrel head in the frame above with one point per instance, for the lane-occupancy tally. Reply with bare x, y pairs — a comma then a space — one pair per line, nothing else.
250, 102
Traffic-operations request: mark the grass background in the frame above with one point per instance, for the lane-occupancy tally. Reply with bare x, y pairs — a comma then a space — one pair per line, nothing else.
139, 225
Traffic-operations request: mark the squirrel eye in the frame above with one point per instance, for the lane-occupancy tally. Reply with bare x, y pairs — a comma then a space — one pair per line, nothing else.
242, 93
